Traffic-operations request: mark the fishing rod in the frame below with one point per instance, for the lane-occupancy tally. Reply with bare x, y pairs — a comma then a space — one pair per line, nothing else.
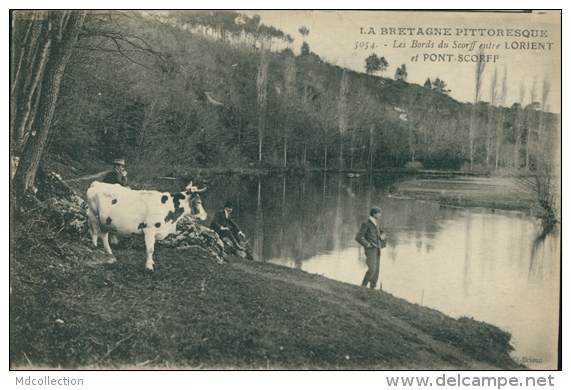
247, 242
251, 249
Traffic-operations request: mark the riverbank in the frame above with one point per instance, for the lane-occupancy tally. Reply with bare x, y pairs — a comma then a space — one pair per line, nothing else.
194, 312
70, 309
495, 193
449, 188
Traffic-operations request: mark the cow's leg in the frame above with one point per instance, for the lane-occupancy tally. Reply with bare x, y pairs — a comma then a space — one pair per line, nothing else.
105, 239
93, 226
150, 244
94, 235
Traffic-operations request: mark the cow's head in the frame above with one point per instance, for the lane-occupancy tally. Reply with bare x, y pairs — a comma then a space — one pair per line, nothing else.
195, 202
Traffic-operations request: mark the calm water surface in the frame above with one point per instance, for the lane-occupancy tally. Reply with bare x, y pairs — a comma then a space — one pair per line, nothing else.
468, 262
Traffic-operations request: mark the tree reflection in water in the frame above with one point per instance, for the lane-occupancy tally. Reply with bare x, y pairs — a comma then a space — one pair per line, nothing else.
498, 267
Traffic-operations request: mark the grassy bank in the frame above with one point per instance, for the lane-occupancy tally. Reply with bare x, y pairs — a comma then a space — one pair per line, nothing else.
72, 311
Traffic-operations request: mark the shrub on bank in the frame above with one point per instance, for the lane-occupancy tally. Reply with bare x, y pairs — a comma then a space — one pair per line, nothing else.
413, 166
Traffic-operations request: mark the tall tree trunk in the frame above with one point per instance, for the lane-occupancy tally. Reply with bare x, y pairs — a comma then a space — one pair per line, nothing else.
493, 96
36, 49
519, 125
529, 117
23, 25
262, 87
352, 148
285, 151
289, 76
499, 136
541, 156
371, 147
342, 114
65, 26
480, 66
499, 132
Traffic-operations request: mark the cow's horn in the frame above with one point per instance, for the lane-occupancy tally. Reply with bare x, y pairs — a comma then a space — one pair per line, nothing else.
192, 189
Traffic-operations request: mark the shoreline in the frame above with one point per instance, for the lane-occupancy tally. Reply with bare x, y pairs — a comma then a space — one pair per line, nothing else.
195, 313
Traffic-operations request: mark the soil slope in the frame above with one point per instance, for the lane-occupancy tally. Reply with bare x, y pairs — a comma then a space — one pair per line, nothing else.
73, 310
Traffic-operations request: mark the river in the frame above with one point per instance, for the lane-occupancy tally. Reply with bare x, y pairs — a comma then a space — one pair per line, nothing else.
473, 262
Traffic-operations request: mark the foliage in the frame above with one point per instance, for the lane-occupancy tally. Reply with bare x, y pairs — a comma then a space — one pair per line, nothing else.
383, 64
440, 86
44, 42
413, 166
372, 64
401, 73
180, 89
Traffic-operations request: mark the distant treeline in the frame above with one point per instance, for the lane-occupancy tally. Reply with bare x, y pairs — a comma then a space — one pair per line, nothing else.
215, 89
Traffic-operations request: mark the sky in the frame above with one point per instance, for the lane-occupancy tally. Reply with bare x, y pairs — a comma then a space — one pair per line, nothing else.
344, 38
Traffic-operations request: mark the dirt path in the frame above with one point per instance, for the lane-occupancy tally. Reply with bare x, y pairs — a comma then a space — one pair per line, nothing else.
88, 177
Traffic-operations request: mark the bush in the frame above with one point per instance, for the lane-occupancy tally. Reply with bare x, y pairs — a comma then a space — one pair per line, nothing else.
413, 166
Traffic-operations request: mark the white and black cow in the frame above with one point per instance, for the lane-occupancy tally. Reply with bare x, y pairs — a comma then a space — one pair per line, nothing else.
152, 213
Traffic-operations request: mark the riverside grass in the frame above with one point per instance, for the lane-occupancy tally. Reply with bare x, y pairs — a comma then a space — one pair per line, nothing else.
194, 313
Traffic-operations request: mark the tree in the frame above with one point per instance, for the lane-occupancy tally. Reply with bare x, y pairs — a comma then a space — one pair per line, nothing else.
304, 31
479, 70
428, 83
493, 101
519, 124
44, 55
262, 88
305, 49
530, 108
401, 73
546, 88
383, 64
343, 91
289, 84
372, 64
439, 86
500, 124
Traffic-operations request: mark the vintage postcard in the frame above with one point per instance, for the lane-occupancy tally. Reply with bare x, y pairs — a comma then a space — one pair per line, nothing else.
285, 190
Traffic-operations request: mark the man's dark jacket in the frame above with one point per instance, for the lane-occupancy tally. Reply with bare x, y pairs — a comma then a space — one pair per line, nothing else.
221, 221
115, 177
369, 234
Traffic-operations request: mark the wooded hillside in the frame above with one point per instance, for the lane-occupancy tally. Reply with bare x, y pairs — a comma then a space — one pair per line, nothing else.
219, 89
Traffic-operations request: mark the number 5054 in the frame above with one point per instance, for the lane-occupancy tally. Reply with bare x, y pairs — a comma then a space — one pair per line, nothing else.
365, 45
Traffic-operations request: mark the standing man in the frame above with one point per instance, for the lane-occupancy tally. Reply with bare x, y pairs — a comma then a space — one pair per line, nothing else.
372, 238
226, 227
118, 175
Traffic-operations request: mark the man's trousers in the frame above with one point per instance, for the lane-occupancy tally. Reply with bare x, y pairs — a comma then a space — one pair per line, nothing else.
373, 262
